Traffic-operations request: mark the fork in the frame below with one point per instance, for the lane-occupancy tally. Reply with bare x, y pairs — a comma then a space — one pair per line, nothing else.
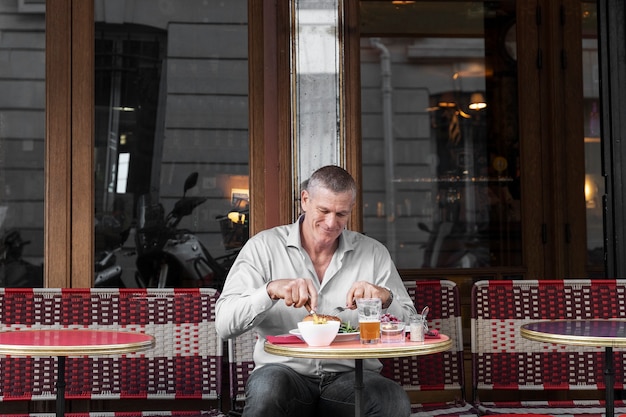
338, 310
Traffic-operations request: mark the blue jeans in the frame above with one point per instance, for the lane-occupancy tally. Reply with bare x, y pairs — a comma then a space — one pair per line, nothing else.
276, 390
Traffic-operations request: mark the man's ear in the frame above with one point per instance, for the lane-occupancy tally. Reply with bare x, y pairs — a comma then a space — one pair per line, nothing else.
304, 200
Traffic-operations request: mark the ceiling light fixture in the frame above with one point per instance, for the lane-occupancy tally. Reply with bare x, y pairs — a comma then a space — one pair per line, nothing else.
477, 102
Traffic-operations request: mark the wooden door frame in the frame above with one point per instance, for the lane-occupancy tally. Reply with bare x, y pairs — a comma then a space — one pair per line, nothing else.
58, 157
532, 210
83, 99
270, 114
553, 208
69, 187
612, 28
69, 190
352, 107
550, 69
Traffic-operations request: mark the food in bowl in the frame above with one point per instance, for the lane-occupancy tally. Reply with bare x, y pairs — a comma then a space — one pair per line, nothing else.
318, 334
389, 318
321, 318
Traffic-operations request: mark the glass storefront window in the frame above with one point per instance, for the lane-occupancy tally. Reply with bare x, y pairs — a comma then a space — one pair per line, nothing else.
441, 175
22, 143
171, 142
594, 181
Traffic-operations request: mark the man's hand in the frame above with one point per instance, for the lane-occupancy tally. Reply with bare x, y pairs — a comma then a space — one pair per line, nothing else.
363, 289
295, 292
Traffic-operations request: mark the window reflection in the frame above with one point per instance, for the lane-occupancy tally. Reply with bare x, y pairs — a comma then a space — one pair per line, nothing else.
171, 142
440, 139
22, 144
594, 181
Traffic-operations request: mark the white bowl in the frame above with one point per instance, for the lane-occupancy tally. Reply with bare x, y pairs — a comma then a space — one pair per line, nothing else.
315, 334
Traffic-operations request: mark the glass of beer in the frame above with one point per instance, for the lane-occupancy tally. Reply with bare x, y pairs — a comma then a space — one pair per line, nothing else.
369, 319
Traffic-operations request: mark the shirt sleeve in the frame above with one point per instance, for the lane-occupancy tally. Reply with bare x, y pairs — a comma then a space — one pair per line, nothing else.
243, 301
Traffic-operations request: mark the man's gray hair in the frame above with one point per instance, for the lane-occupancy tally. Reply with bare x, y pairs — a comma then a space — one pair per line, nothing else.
333, 178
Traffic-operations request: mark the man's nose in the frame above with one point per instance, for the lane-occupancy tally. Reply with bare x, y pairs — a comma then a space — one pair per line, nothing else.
331, 220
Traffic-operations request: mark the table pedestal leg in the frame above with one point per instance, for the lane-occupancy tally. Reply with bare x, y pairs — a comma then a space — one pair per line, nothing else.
60, 385
358, 387
609, 381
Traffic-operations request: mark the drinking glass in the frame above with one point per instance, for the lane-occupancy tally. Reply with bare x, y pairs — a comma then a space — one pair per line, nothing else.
369, 319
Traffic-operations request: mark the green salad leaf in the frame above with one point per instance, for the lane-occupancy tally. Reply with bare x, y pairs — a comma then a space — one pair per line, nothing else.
346, 327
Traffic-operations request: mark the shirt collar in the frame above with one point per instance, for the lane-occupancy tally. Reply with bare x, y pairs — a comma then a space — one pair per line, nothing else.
293, 238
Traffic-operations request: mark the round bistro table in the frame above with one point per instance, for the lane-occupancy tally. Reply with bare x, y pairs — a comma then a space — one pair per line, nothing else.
595, 333
71, 342
355, 350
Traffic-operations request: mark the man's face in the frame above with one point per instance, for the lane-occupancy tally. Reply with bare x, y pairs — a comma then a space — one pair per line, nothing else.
327, 214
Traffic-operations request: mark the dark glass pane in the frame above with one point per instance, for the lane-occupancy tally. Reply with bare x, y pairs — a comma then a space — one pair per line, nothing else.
22, 143
594, 181
171, 142
440, 140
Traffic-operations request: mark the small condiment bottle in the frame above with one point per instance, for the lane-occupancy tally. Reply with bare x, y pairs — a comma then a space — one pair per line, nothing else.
417, 328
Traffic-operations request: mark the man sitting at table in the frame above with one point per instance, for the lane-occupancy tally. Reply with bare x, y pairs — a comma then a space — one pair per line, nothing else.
316, 260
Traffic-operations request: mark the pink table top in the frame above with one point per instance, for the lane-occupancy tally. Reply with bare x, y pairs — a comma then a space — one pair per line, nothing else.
592, 332
355, 350
72, 342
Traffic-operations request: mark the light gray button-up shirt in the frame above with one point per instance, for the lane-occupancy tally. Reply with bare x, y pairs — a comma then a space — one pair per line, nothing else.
277, 253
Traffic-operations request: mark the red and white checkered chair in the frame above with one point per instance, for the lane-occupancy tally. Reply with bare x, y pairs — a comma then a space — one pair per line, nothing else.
241, 364
505, 362
441, 371
210, 413
186, 362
